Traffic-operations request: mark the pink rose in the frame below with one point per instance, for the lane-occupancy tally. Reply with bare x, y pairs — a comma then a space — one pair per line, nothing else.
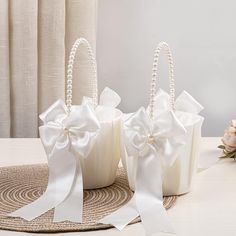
229, 139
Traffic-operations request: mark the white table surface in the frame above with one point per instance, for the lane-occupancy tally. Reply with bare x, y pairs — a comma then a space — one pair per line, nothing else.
208, 210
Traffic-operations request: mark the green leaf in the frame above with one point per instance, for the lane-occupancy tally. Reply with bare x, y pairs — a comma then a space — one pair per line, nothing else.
235, 156
225, 152
230, 155
221, 146
223, 157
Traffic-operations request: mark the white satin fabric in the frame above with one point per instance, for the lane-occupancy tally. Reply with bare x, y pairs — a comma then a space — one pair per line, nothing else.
76, 142
146, 142
64, 135
99, 168
187, 111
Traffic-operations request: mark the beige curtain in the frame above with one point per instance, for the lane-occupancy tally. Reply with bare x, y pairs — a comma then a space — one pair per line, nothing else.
35, 39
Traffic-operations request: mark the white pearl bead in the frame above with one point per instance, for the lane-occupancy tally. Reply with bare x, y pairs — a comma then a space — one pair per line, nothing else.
151, 139
152, 95
155, 64
70, 66
71, 58
69, 71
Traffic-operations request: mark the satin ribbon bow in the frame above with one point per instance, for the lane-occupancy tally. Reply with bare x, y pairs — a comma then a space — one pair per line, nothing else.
108, 98
108, 101
184, 103
153, 143
67, 137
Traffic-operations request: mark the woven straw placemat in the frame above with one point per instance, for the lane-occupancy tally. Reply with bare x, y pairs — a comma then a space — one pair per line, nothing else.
21, 185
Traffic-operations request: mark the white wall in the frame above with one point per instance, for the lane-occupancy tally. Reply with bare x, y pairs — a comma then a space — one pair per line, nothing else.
202, 35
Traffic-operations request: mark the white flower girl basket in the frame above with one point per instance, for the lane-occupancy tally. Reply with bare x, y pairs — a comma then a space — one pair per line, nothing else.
177, 179
150, 141
82, 145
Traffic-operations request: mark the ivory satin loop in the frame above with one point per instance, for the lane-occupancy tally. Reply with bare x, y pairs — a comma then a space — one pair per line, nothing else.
148, 141
64, 136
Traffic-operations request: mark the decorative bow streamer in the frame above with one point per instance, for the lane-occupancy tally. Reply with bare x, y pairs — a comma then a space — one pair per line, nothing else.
65, 135
149, 141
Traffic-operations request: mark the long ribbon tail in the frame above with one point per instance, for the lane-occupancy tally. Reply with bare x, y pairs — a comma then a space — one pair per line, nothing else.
155, 220
62, 167
149, 197
72, 207
123, 216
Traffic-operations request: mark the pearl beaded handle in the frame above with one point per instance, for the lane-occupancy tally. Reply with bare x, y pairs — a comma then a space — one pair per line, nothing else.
165, 46
92, 59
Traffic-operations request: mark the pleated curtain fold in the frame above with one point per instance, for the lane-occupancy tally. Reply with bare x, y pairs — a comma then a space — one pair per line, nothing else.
35, 40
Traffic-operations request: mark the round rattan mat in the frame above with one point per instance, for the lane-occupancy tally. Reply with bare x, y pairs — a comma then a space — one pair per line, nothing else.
21, 185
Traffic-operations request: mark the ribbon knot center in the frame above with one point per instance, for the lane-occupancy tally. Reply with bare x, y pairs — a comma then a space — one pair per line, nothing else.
151, 139
66, 130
